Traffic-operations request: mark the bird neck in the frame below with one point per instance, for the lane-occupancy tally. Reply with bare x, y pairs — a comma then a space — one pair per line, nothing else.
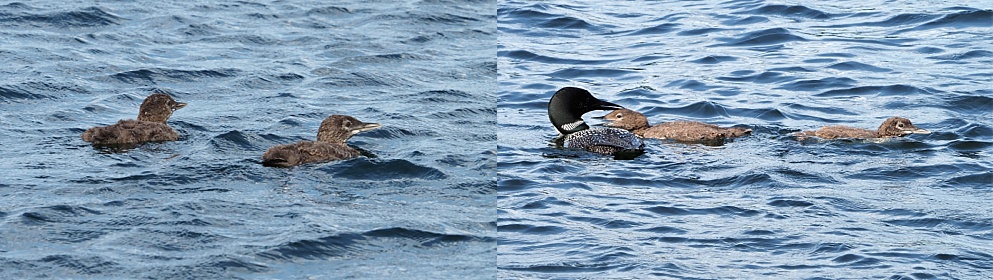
566, 121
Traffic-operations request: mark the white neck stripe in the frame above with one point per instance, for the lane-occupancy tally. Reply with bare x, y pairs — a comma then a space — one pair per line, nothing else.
572, 125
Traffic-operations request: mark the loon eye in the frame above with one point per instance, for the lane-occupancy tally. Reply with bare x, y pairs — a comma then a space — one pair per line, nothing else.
620, 116
346, 124
899, 125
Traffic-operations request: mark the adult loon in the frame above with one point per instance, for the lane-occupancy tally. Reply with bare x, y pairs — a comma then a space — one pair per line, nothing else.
683, 131
330, 144
149, 127
566, 109
891, 127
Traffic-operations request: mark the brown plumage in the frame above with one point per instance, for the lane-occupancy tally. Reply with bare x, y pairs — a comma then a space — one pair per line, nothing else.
891, 127
330, 144
149, 127
683, 131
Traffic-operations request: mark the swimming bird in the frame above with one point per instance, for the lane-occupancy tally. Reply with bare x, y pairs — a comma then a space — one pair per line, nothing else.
330, 144
683, 131
891, 127
566, 109
149, 127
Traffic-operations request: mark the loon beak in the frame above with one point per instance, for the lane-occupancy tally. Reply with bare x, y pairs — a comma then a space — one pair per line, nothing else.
604, 105
364, 127
178, 105
918, 131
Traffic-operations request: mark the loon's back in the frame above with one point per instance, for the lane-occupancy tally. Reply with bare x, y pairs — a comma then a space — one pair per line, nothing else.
608, 141
306, 152
130, 132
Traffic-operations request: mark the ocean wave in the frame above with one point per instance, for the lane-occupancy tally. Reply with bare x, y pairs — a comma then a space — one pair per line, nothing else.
898, 89
36, 90
852, 65
712, 59
655, 30
796, 11
387, 170
567, 22
819, 84
772, 36
766, 77
530, 56
345, 245
963, 19
151, 76
82, 18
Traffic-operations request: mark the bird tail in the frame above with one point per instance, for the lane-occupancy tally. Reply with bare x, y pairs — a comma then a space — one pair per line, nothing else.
740, 131
279, 156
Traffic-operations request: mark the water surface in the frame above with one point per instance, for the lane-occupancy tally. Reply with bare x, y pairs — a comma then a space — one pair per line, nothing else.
255, 75
764, 206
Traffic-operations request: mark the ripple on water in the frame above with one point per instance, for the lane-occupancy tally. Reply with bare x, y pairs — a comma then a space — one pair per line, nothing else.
236, 140
38, 90
898, 89
772, 36
964, 56
655, 30
710, 59
163, 75
395, 169
566, 22
851, 65
762, 78
790, 11
81, 18
531, 56
962, 19
819, 84
345, 245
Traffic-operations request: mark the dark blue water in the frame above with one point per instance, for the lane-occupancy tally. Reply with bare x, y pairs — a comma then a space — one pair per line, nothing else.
255, 75
764, 206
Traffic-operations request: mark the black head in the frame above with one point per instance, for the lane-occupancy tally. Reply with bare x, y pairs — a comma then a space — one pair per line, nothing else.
158, 108
338, 128
568, 105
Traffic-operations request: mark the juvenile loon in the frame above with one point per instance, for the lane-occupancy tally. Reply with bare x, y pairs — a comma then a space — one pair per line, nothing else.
891, 127
149, 127
330, 144
566, 109
683, 131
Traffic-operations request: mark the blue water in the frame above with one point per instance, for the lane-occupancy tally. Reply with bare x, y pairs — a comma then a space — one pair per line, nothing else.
763, 206
420, 205
255, 75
